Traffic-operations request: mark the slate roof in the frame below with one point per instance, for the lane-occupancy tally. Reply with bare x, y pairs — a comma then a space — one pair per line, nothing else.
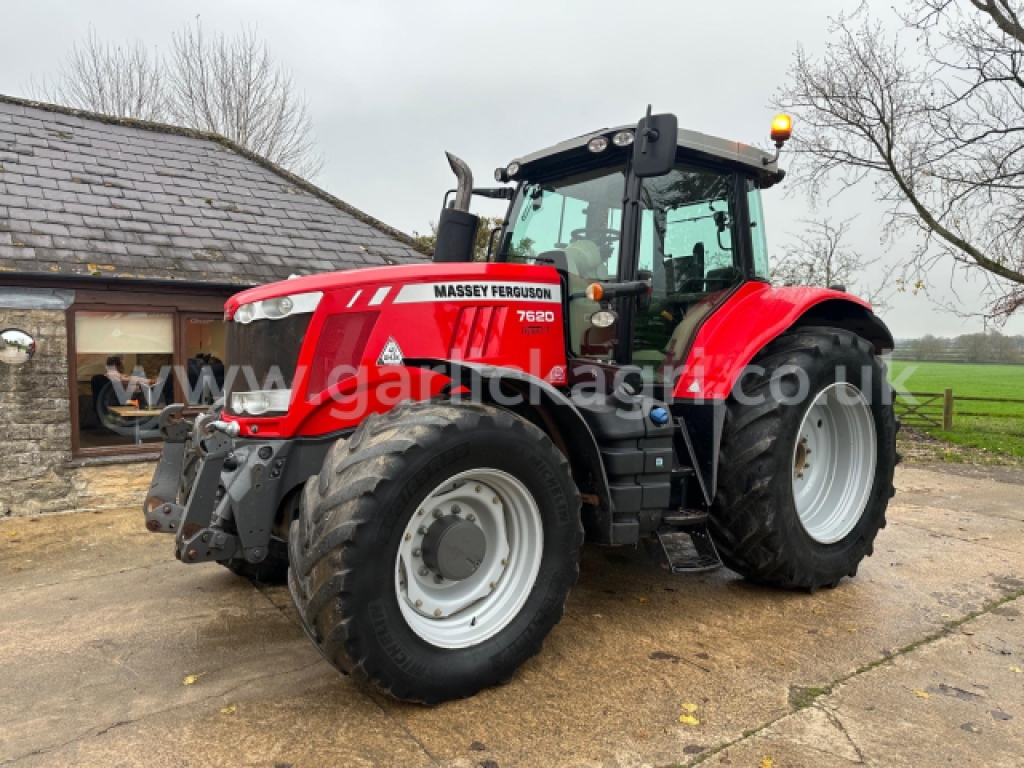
88, 195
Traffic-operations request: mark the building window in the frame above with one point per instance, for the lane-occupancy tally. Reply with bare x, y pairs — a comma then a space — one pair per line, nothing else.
129, 365
124, 365
205, 342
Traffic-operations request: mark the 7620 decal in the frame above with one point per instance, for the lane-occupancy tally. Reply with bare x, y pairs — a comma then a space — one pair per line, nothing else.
534, 316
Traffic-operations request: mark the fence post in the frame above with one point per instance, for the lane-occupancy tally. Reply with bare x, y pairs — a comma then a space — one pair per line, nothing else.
947, 410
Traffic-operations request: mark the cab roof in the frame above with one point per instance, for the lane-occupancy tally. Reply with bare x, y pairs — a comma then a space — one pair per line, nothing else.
712, 147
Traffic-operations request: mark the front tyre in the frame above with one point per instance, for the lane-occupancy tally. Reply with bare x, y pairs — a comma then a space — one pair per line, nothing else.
436, 548
806, 464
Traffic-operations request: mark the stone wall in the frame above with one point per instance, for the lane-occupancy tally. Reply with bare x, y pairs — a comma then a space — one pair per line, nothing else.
110, 486
37, 474
35, 418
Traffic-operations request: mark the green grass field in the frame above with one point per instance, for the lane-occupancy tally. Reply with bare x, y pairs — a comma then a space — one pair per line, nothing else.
1000, 435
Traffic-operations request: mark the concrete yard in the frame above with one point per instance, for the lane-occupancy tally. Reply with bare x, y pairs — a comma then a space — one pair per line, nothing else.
916, 662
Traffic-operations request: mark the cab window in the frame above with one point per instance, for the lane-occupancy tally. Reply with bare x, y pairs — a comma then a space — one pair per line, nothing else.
579, 216
688, 250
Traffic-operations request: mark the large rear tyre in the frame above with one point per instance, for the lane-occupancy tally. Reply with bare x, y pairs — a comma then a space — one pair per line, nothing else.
806, 464
436, 548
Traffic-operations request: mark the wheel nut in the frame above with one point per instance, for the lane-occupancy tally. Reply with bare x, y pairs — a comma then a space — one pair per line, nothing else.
478, 489
422, 530
424, 571
504, 561
438, 579
437, 611
420, 512
408, 537
437, 513
471, 518
494, 584
419, 603
456, 509
417, 552
494, 500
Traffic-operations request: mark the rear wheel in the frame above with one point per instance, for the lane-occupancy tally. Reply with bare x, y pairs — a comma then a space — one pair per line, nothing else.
806, 463
436, 549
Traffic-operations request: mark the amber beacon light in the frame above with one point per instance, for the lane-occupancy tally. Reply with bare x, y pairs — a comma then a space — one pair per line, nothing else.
782, 127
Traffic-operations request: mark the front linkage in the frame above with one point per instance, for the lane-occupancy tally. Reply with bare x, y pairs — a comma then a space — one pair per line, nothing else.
220, 496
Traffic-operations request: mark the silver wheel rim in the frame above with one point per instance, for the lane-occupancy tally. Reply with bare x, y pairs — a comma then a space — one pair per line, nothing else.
834, 463
459, 614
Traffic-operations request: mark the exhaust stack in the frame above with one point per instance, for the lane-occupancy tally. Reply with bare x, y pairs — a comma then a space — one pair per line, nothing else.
456, 227
464, 177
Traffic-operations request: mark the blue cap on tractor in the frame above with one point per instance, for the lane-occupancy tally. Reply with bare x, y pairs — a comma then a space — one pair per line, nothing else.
659, 416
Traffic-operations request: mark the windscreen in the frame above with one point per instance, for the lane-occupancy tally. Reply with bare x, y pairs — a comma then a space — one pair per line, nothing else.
579, 216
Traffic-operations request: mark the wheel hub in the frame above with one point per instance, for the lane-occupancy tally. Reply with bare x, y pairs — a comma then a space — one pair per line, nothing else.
832, 491
454, 548
468, 558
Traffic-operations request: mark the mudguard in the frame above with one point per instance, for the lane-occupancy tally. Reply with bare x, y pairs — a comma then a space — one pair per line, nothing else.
753, 316
562, 420
731, 337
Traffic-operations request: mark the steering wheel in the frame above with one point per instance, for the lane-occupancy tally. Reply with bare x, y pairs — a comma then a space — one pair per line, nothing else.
600, 237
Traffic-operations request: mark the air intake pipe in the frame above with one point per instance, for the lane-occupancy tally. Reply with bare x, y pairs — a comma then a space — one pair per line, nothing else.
456, 228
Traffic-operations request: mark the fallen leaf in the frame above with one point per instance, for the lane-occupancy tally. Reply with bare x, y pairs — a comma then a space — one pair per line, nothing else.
689, 720
229, 710
766, 762
190, 679
922, 694
818, 611
688, 707
1015, 670
641, 599
851, 629
598, 616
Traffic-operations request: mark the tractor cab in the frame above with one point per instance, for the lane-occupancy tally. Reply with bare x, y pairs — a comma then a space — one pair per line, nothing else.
688, 224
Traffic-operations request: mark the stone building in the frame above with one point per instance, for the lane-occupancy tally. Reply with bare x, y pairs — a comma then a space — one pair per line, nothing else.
119, 242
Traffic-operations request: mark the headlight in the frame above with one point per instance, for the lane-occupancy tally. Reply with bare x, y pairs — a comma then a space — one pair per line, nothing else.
262, 401
512, 169
277, 308
598, 144
622, 138
245, 314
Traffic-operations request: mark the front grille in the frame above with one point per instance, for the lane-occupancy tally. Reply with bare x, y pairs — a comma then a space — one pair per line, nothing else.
263, 354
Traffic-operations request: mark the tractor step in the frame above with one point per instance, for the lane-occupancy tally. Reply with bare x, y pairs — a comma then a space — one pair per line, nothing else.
685, 518
694, 556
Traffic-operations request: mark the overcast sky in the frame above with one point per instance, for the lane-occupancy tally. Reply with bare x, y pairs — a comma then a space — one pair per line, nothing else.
392, 85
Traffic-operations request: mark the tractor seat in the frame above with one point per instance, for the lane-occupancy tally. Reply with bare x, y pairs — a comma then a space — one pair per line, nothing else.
584, 258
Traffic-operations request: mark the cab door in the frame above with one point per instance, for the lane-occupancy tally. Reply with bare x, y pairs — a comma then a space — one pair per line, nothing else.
691, 248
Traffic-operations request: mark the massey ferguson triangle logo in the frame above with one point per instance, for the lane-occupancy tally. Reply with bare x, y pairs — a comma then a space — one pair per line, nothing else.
391, 354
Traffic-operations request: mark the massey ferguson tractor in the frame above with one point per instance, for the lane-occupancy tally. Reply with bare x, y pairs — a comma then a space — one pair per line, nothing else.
421, 450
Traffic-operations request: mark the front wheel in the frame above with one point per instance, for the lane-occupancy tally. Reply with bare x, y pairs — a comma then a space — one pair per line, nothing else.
806, 463
436, 548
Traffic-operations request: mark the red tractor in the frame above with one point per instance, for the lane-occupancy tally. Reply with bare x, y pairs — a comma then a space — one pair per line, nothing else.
428, 446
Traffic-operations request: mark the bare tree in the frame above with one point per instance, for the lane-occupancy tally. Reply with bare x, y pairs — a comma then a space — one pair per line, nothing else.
229, 86
820, 257
233, 87
124, 81
939, 131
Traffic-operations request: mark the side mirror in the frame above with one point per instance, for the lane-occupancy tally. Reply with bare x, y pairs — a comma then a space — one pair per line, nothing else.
654, 149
